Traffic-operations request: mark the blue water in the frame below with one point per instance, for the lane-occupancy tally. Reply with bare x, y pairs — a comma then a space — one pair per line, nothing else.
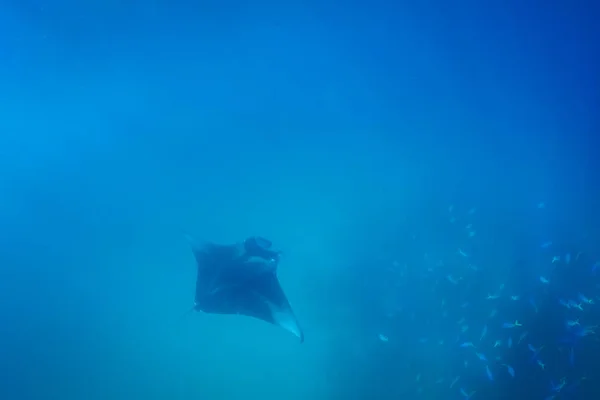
413, 161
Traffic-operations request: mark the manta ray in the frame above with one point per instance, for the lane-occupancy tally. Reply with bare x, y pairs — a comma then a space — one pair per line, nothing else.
242, 279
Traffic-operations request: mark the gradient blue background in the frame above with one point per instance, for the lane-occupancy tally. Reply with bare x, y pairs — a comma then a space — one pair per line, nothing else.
333, 129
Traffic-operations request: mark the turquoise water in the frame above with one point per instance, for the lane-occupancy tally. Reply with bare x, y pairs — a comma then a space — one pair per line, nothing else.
412, 162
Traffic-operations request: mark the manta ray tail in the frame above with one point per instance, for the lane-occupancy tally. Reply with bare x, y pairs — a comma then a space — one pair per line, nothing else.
189, 238
187, 313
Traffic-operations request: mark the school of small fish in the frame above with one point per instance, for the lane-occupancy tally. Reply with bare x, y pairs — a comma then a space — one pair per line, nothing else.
528, 327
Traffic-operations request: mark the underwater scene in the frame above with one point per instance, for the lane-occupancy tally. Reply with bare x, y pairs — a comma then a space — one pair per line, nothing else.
299, 200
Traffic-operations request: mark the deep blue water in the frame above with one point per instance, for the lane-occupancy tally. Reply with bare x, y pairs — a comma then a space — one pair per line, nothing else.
412, 161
